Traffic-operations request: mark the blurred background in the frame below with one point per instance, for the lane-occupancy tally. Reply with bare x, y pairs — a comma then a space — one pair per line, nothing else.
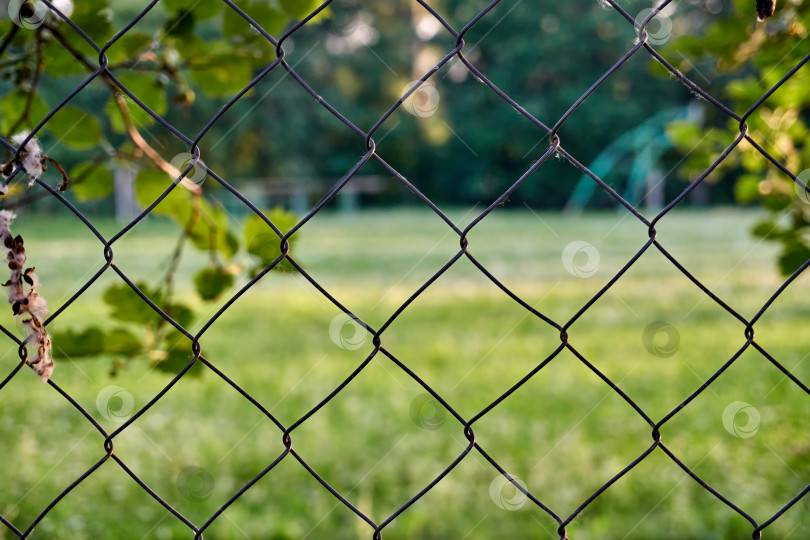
554, 242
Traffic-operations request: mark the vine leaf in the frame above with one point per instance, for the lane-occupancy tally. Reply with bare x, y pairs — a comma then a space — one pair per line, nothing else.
76, 128
263, 244
177, 355
793, 256
79, 345
211, 282
127, 306
93, 341
96, 181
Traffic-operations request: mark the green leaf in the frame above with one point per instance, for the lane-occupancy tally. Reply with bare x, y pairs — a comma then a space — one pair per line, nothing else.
148, 89
777, 201
221, 75
794, 255
178, 355
766, 229
139, 116
230, 244
211, 282
746, 190
129, 47
59, 62
94, 18
127, 306
211, 231
91, 181
181, 313
150, 184
77, 345
181, 25
12, 105
263, 244
120, 341
299, 9
271, 19
749, 89
93, 341
684, 134
76, 128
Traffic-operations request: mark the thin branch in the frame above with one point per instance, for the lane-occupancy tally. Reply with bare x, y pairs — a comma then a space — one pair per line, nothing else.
132, 131
174, 262
9, 37
31, 197
35, 80
65, 180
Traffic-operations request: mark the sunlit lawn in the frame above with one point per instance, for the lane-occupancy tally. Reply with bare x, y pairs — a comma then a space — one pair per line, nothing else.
563, 434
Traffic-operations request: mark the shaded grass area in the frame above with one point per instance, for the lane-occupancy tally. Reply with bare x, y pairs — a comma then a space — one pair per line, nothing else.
563, 434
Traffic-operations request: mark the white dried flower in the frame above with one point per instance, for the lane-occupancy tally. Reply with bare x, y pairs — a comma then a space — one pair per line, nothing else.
31, 156
65, 6
26, 303
36, 304
6, 217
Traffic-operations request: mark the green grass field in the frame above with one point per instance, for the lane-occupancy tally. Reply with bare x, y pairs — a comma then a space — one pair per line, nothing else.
564, 433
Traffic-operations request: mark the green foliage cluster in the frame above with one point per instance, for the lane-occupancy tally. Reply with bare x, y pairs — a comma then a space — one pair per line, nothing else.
164, 62
139, 329
754, 57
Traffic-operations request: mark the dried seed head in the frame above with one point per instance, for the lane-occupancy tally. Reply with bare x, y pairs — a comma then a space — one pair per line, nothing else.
765, 9
65, 6
31, 157
29, 305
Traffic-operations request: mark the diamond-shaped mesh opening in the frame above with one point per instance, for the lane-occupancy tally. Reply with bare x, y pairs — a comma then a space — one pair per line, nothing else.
561, 449
288, 381
731, 436
498, 343
138, 514
342, 255
393, 415
198, 475
28, 490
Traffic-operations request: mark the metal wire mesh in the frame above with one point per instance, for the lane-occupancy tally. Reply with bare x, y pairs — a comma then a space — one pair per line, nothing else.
555, 146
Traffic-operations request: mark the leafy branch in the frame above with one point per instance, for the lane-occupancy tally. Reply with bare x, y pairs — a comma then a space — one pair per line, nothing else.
759, 54
51, 52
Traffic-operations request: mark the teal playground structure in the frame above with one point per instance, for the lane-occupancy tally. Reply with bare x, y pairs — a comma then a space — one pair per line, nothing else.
645, 144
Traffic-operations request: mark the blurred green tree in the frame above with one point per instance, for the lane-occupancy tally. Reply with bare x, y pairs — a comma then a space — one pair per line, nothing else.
473, 145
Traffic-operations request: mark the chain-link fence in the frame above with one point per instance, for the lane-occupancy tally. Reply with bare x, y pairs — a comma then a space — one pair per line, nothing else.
99, 69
